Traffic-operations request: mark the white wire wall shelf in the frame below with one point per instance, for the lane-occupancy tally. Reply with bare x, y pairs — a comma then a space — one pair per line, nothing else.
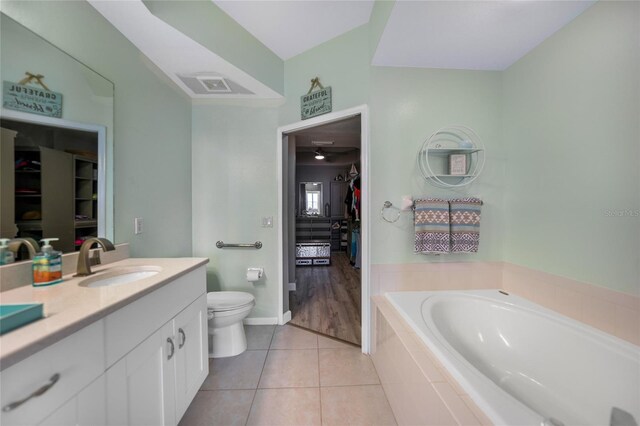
453, 156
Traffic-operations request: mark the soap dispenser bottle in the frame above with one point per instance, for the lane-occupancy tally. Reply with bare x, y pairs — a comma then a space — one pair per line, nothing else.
47, 265
6, 255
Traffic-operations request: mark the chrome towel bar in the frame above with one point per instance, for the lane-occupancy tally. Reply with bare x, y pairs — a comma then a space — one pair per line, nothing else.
256, 245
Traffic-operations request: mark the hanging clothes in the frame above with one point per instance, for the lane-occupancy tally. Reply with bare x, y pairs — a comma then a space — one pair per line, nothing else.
358, 261
352, 205
352, 199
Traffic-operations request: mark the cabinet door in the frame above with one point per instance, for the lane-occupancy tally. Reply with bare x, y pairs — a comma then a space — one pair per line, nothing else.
57, 197
64, 416
92, 404
338, 194
88, 408
141, 386
192, 361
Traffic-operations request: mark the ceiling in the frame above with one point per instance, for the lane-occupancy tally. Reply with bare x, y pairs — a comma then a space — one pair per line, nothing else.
449, 34
475, 35
289, 28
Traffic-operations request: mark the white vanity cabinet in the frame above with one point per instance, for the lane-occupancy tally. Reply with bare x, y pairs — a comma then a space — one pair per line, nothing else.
142, 364
153, 382
86, 408
35, 388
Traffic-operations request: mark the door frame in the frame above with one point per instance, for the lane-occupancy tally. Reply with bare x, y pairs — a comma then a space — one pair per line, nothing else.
363, 112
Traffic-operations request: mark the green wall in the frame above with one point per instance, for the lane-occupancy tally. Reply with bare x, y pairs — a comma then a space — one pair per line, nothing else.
234, 186
234, 164
152, 118
560, 127
571, 128
407, 106
342, 63
549, 178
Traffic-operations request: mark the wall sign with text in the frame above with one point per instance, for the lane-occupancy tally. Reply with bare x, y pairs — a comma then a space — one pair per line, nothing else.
21, 97
315, 103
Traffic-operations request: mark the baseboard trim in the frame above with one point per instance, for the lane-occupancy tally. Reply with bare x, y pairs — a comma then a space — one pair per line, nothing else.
286, 317
261, 321
292, 286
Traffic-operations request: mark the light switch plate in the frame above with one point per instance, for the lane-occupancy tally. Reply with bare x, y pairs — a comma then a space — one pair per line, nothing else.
267, 222
138, 223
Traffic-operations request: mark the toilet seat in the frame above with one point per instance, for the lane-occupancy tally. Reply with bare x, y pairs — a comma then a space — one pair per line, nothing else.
224, 301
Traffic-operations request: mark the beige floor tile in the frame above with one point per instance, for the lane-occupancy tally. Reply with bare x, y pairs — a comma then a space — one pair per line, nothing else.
328, 343
290, 369
259, 336
286, 407
339, 367
237, 372
289, 337
355, 405
229, 407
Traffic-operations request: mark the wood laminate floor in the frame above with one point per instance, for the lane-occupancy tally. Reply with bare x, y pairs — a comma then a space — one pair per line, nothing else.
327, 299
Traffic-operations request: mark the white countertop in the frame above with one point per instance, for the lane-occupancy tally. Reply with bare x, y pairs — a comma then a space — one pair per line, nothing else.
68, 307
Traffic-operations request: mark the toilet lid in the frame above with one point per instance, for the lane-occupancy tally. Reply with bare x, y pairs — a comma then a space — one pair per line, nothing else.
227, 300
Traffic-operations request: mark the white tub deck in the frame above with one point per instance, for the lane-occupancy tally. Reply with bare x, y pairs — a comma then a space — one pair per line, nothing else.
522, 363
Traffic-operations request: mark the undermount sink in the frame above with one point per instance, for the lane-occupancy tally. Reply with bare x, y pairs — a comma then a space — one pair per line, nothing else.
119, 276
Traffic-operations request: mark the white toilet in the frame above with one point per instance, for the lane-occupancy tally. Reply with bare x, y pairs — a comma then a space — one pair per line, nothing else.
226, 310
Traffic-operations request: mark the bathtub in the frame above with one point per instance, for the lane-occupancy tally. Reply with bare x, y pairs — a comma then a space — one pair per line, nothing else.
521, 363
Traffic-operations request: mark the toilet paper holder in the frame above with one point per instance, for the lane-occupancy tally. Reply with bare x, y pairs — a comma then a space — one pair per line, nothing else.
254, 274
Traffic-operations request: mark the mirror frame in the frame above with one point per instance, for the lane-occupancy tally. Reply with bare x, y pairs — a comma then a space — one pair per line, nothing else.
105, 229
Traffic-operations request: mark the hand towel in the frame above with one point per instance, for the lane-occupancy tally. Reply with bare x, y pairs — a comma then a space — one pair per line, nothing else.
431, 221
465, 225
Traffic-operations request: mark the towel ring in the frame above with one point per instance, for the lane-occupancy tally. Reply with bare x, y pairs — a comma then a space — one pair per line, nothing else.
387, 205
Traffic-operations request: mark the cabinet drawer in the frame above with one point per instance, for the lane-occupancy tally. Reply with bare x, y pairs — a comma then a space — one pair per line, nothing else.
77, 360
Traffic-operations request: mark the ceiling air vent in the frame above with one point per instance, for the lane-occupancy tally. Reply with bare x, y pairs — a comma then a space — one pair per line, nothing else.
214, 84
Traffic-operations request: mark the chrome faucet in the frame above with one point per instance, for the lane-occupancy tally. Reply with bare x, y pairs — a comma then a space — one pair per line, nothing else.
31, 245
84, 264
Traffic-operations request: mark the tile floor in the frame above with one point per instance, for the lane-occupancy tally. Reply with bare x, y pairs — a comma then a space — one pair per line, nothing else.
290, 376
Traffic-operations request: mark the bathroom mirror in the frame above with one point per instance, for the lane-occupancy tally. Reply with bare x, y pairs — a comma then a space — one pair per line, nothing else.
56, 173
311, 199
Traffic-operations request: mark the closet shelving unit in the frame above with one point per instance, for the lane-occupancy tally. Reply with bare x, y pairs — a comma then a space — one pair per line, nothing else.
43, 198
434, 155
85, 197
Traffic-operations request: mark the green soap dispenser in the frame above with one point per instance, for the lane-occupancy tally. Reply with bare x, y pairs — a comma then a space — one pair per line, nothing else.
47, 265
6, 255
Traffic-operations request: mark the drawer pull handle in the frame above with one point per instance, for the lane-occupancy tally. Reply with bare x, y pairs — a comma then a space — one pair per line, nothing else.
173, 348
184, 338
52, 381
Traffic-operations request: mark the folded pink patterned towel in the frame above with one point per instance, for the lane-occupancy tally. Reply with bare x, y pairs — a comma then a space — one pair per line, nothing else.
465, 225
431, 221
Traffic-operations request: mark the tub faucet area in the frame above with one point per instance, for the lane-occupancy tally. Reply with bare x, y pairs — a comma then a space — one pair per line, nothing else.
84, 263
